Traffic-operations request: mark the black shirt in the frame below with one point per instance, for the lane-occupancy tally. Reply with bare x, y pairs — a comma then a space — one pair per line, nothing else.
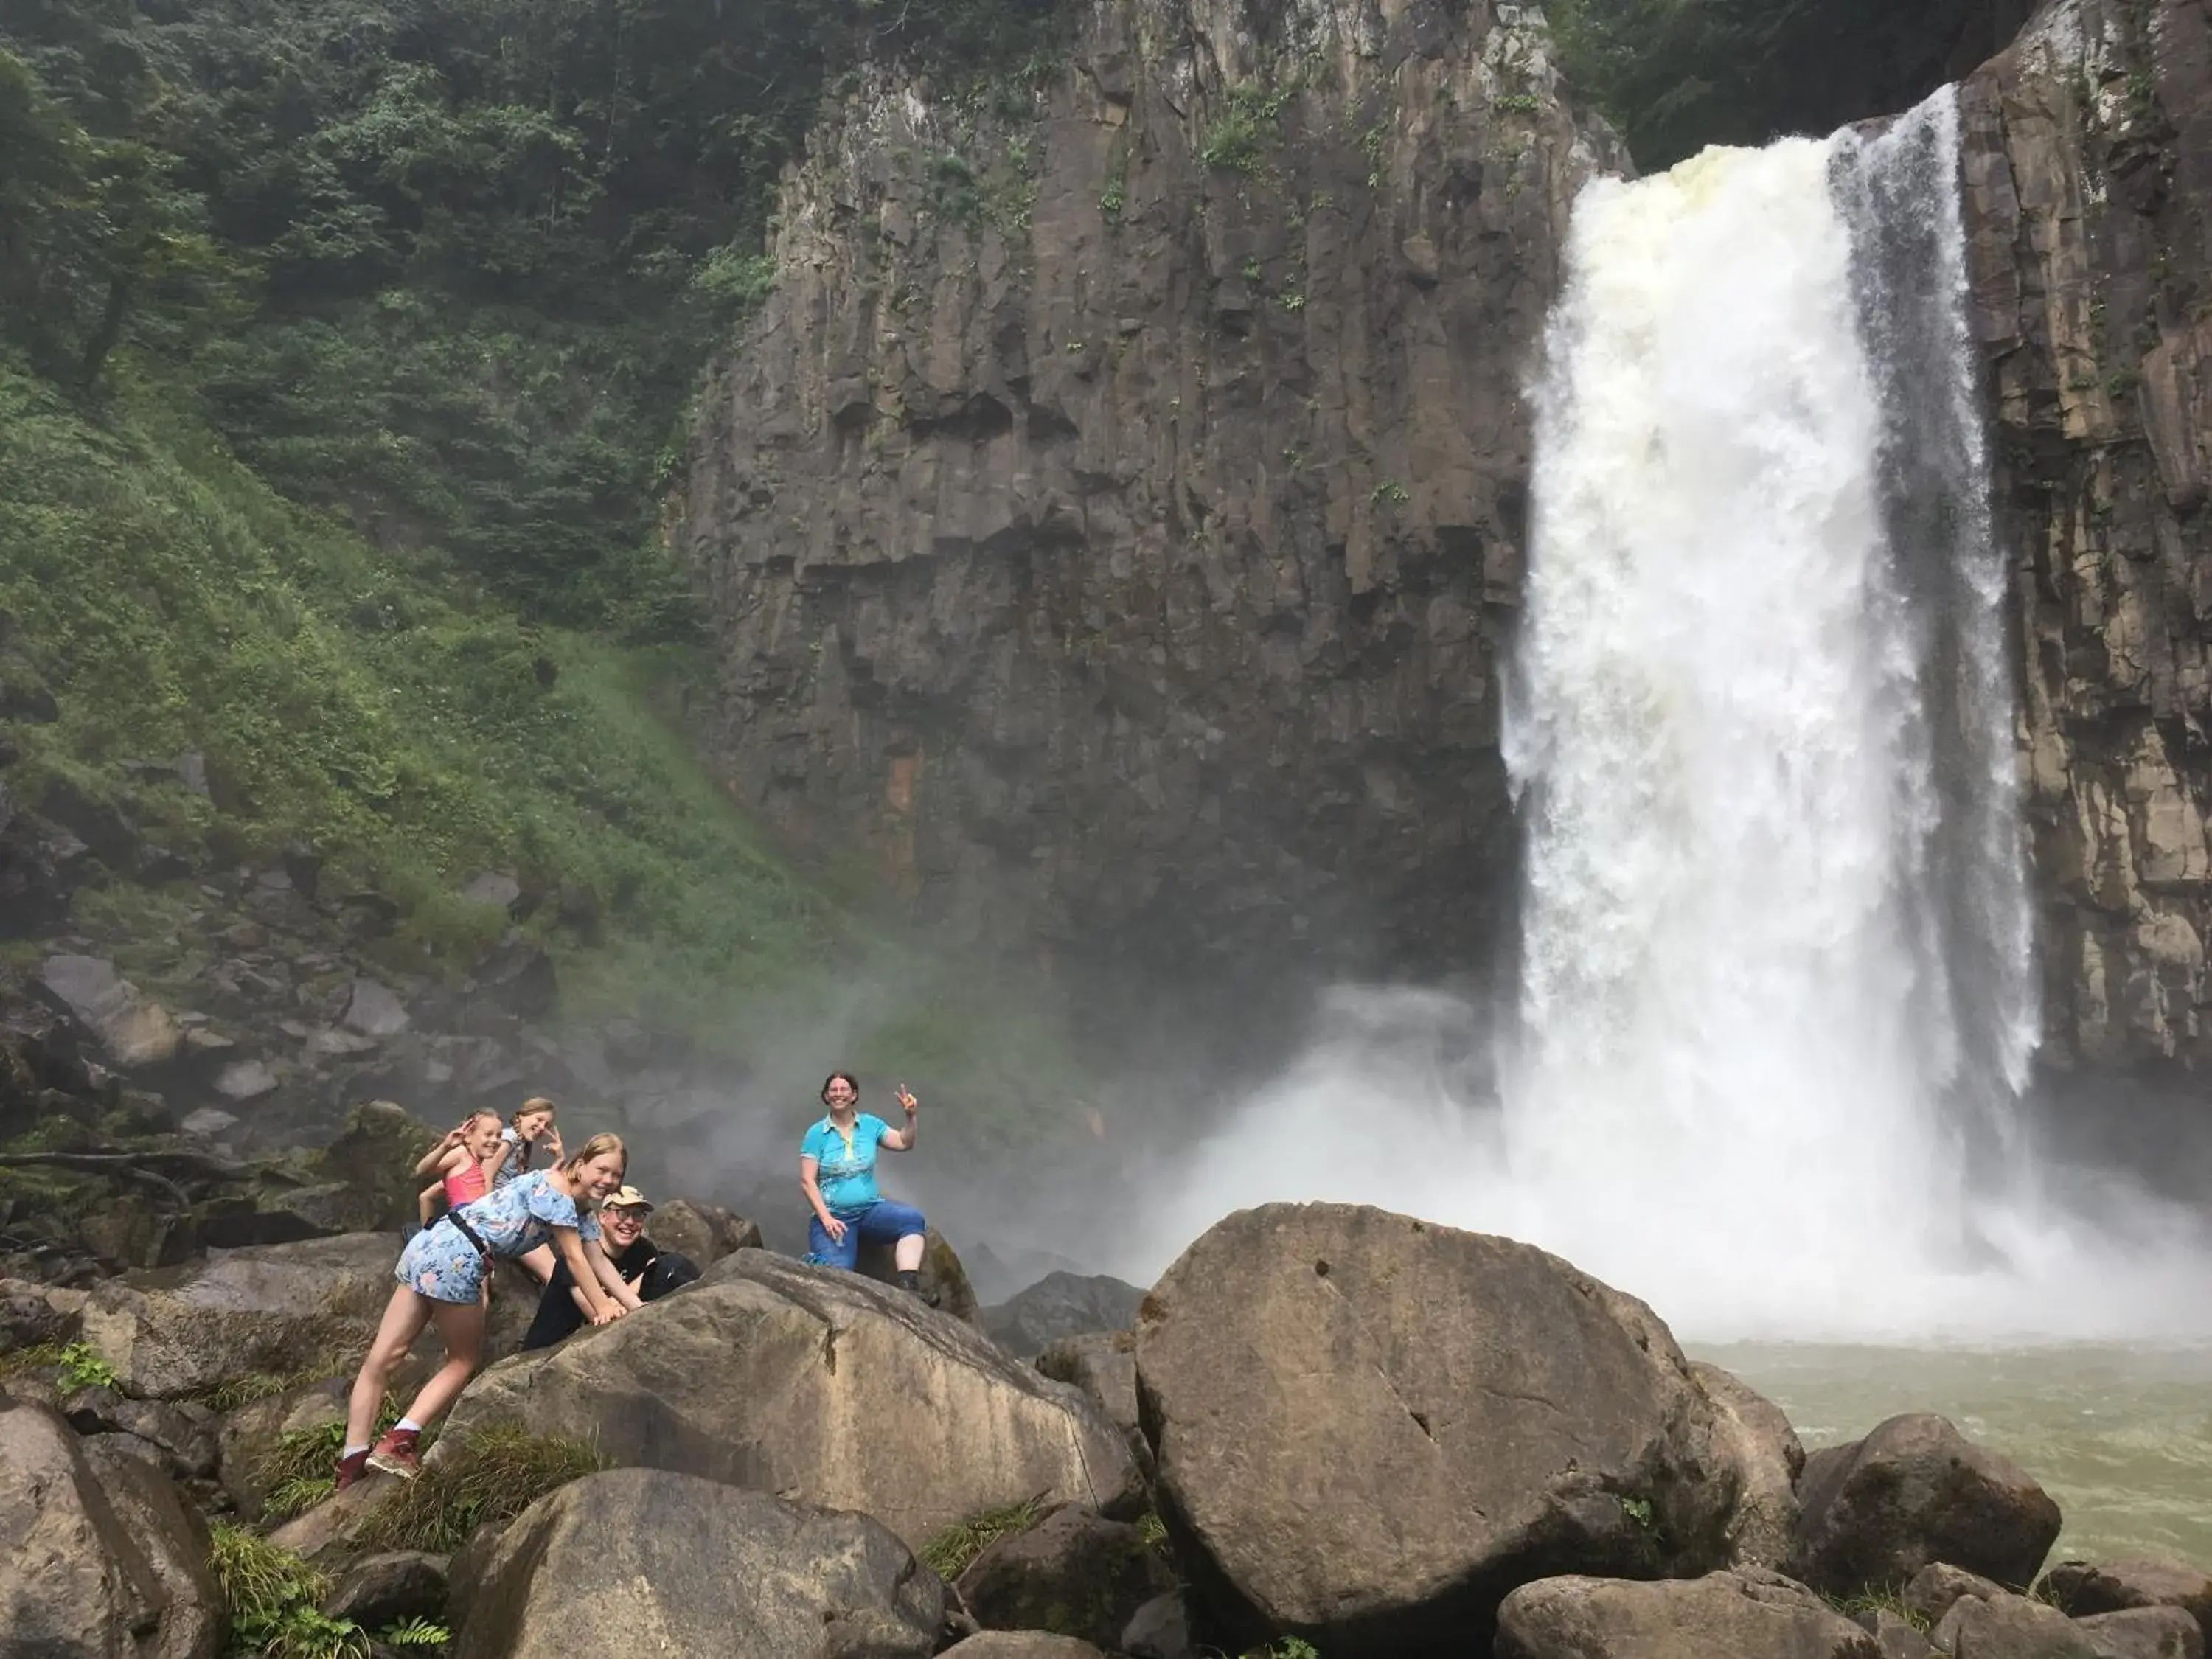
558, 1315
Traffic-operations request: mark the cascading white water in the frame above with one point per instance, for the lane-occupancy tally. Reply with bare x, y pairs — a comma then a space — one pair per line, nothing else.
1777, 997
1739, 988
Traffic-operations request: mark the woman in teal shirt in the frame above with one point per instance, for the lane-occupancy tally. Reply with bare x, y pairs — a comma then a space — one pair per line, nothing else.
837, 1172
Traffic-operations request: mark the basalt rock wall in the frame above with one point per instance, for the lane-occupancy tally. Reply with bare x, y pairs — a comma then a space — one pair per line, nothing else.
2089, 179
1114, 520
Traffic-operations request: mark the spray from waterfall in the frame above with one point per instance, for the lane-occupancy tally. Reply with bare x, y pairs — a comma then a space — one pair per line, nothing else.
1777, 995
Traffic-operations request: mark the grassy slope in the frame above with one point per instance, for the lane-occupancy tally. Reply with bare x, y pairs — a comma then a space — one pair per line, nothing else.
374, 707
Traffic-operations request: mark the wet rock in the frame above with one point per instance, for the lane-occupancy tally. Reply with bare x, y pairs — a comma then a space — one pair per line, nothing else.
1767, 1457
2007, 1626
1747, 1614
383, 1588
375, 1010
99, 1548
780, 1375
1074, 1573
270, 1309
2157, 1632
208, 1123
1061, 1305
246, 1080
1446, 1415
706, 1568
134, 1031
1021, 1644
2084, 1588
519, 979
1916, 1491
41, 867
495, 889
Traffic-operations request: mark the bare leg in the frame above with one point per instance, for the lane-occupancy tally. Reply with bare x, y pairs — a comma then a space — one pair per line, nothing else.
461, 1328
404, 1316
540, 1263
907, 1254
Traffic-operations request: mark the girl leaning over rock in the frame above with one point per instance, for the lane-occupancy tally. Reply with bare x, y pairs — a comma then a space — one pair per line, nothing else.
441, 1273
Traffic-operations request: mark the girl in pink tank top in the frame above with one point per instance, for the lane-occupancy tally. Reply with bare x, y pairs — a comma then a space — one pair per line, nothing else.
458, 1161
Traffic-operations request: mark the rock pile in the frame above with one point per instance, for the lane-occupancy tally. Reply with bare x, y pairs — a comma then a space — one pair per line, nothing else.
1329, 1425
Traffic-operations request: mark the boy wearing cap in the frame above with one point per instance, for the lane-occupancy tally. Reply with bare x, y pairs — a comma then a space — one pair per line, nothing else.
649, 1271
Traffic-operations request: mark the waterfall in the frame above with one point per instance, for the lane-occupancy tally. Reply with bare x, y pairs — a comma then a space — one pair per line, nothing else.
1776, 998
1772, 967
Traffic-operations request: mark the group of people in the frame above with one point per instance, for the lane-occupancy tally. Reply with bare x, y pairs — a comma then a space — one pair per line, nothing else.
578, 1227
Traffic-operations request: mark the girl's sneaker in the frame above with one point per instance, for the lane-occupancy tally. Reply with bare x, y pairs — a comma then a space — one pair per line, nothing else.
351, 1468
395, 1454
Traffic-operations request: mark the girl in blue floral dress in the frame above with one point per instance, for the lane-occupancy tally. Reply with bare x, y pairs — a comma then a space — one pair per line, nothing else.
441, 1275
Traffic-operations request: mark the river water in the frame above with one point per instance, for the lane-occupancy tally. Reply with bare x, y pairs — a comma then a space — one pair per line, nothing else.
2121, 1435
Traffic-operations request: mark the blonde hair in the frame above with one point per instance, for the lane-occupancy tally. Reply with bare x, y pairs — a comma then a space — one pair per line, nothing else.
596, 1147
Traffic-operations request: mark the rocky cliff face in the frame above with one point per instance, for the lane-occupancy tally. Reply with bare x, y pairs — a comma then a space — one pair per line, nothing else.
1113, 520
2089, 175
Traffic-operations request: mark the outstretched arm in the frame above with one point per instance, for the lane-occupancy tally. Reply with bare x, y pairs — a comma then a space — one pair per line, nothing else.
436, 1157
610, 1276
598, 1307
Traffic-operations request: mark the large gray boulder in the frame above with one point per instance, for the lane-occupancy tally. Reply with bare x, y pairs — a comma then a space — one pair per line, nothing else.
647, 1561
2143, 1633
821, 1386
1747, 1614
1370, 1429
99, 1557
1021, 1644
2008, 1627
1768, 1456
1916, 1491
2084, 1588
269, 1308
705, 1232
1061, 1305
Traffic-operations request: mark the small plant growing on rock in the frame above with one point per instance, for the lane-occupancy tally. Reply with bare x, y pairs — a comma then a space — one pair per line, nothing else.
415, 1633
494, 1473
79, 1362
949, 1553
271, 1595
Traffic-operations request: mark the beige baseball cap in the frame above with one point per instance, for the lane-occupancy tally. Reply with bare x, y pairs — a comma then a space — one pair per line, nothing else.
626, 1197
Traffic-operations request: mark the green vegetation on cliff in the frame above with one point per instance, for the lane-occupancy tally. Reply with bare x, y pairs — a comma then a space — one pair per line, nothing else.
346, 351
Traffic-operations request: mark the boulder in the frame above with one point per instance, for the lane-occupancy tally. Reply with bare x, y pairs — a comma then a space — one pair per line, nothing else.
274, 1308
1758, 1440
1896, 1637
1103, 1365
645, 1558
375, 1010
2008, 1626
135, 1031
941, 1274
383, 1588
375, 1154
98, 1561
172, 1536
1061, 1305
2159, 1632
822, 1386
1074, 1572
1159, 1629
1021, 1644
1876, 1510
330, 1533
1749, 1614
2082, 1588
184, 1434
1938, 1587
705, 1232
1370, 1429
33, 1314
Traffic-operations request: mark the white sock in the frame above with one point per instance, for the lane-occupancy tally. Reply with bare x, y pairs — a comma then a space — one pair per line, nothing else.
407, 1425
349, 1451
